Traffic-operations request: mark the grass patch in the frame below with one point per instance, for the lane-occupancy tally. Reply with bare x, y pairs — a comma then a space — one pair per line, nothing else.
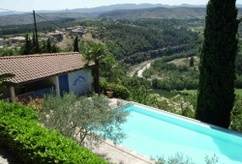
238, 92
190, 92
163, 93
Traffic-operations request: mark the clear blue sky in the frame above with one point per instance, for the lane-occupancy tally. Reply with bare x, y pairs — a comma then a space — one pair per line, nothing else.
29, 5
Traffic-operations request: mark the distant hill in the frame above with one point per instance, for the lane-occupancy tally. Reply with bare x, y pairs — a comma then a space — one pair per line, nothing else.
182, 12
132, 11
28, 18
90, 10
116, 7
3, 13
159, 12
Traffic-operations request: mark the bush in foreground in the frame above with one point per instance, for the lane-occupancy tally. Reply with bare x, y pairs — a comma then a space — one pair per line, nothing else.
32, 143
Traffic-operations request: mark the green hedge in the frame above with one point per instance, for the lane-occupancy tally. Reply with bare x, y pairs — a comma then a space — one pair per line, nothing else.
32, 143
119, 91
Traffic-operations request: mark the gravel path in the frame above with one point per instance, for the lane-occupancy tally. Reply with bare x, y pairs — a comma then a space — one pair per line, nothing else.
6, 157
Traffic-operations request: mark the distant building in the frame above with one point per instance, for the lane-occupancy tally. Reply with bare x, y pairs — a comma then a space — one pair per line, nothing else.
77, 30
42, 74
17, 39
57, 35
1, 41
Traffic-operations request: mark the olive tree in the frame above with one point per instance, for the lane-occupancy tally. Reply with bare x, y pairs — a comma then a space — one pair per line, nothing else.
87, 120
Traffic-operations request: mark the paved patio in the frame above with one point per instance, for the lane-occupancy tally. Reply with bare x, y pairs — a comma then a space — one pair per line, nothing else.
118, 154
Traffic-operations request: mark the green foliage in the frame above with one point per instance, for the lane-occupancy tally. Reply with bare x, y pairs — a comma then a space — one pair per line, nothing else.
238, 92
120, 91
36, 104
217, 63
236, 115
174, 77
141, 95
163, 93
185, 54
95, 52
32, 143
238, 62
169, 76
8, 52
27, 48
82, 118
136, 82
30, 46
47, 47
134, 41
183, 105
238, 81
18, 110
179, 158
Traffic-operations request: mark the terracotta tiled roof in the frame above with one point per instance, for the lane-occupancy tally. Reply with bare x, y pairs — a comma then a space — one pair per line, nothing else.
31, 67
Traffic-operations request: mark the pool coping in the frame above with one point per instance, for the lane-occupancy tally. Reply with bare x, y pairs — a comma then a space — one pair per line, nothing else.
125, 155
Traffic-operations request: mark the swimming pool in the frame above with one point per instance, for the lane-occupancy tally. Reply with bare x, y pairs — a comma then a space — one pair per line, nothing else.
153, 133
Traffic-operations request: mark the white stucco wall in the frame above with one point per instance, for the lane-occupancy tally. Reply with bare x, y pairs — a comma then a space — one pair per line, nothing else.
54, 80
80, 82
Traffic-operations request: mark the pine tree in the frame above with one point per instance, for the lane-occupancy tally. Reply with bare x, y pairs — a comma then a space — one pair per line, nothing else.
217, 68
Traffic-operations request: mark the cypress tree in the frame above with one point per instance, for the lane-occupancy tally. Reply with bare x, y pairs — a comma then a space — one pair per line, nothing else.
26, 49
191, 63
217, 65
76, 48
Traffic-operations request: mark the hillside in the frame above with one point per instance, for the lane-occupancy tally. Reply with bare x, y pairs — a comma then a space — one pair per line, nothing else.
160, 12
128, 11
28, 18
99, 9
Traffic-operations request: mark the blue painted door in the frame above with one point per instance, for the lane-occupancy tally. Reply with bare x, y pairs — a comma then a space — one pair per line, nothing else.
63, 83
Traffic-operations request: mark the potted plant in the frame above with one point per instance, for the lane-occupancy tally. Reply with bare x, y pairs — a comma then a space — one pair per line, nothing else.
109, 92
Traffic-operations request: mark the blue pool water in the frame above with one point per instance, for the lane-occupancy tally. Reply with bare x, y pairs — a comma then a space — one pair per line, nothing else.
155, 133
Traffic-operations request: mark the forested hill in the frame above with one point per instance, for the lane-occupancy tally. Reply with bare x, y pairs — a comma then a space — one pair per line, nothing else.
28, 18
159, 12
119, 11
135, 41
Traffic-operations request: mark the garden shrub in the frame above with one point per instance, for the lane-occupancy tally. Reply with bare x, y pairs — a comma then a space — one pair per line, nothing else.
120, 91
32, 143
236, 115
17, 109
